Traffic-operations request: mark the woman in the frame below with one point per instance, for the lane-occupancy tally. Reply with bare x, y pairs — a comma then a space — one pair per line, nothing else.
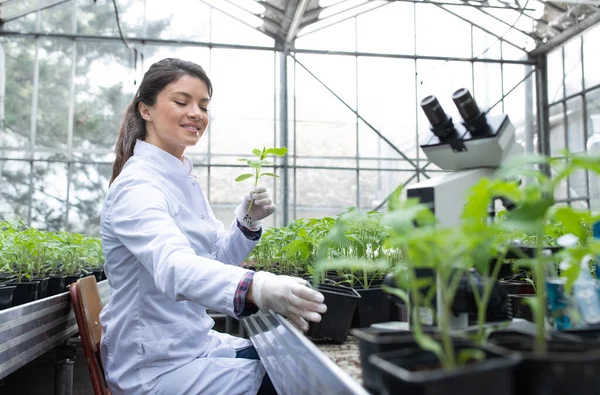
168, 258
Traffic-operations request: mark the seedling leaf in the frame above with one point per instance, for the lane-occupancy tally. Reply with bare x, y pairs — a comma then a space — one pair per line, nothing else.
257, 152
269, 175
277, 151
243, 177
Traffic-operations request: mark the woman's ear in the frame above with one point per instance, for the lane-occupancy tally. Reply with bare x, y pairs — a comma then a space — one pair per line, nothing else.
144, 111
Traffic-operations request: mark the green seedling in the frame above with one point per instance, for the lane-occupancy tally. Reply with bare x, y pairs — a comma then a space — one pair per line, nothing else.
257, 164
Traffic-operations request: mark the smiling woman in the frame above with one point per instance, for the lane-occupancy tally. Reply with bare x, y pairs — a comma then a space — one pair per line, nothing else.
169, 259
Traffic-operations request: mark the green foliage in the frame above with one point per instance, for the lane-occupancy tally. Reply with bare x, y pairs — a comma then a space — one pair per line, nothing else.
29, 252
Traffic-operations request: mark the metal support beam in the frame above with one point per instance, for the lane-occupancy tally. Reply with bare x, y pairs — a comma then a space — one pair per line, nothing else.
541, 79
9, 17
284, 133
293, 29
465, 4
567, 34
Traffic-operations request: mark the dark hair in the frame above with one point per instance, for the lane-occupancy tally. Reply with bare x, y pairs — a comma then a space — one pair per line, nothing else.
133, 127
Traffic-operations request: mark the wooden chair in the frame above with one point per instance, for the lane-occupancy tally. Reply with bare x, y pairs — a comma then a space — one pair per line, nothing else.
87, 305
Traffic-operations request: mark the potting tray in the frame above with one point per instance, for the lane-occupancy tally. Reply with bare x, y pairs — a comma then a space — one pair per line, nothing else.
30, 330
294, 363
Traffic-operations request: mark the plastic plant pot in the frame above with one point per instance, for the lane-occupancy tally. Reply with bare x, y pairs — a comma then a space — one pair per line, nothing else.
335, 324
568, 367
417, 372
373, 307
56, 284
6, 296
25, 292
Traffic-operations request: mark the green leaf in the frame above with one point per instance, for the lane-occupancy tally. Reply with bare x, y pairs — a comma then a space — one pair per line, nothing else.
264, 163
243, 177
588, 162
467, 355
257, 152
268, 175
573, 221
277, 151
254, 163
394, 201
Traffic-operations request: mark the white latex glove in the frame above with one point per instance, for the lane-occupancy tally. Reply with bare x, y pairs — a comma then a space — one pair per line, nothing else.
261, 208
288, 296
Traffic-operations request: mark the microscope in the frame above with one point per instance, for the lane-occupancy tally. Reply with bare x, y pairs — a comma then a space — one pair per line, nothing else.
470, 151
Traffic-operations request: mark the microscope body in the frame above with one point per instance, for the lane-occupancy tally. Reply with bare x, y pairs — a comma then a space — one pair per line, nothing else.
469, 151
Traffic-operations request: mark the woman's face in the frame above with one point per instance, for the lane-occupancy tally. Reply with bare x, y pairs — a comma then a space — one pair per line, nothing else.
179, 117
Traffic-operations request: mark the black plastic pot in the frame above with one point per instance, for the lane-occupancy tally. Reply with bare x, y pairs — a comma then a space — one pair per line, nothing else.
372, 341
43, 287
56, 284
71, 279
25, 292
373, 307
568, 368
417, 372
6, 296
516, 287
335, 323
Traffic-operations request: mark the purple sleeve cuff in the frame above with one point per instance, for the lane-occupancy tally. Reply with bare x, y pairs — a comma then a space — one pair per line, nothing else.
250, 234
239, 300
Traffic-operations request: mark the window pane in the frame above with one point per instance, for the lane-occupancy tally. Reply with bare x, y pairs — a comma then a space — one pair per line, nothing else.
176, 20
557, 130
226, 29
49, 200
338, 37
19, 57
573, 78
375, 186
576, 143
89, 184
456, 43
14, 197
388, 29
103, 89
555, 76
591, 57
53, 97
329, 193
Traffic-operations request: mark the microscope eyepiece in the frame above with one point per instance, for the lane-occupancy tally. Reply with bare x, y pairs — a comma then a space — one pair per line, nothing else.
441, 124
466, 104
434, 111
474, 119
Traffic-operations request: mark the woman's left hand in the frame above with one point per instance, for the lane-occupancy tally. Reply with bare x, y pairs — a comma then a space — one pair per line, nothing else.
256, 206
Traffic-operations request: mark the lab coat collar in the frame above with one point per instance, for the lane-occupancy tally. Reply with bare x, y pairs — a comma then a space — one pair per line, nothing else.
166, 162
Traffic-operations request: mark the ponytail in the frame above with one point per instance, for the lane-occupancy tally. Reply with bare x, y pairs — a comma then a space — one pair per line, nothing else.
133, 128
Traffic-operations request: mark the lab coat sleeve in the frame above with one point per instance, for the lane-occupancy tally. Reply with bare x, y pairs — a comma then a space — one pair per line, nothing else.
232, 245
140, 218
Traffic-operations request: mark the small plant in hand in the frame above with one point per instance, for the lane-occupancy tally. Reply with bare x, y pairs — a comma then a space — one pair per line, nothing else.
257, 164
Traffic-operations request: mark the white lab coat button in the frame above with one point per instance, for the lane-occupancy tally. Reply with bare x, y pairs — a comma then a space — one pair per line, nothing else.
210, 251
202, 216
193, 184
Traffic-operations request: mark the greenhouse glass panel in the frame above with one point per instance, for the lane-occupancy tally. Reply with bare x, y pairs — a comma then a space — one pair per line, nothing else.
14, 195
486, 46
576, 144
175, 19
591, 57
237, 136
514, 103
58, 19
387, 101
388, 29
488, 86
89, 184
592, 100
573, 76
557, 130
227, 30
555, 76
49, 199
338, 37
98, 18
454, 41
375, 186
103, 90
55, 60
335, 138
154, 53
19, 59
329, 193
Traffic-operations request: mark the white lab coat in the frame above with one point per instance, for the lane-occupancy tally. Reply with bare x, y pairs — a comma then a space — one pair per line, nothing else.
168, 259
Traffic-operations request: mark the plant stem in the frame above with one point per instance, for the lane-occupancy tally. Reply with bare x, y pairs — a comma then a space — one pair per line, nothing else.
255, 185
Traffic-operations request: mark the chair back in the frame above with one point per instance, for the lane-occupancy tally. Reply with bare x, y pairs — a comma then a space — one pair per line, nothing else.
85, 298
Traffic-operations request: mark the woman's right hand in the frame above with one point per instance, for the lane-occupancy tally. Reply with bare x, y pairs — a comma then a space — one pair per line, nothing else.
289, 296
